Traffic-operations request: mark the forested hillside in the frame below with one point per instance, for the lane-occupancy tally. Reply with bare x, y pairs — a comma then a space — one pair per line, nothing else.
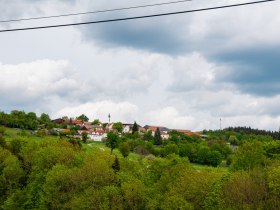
61, 173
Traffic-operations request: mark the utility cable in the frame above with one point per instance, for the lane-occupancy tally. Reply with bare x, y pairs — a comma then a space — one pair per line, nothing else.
93, 12
136, 17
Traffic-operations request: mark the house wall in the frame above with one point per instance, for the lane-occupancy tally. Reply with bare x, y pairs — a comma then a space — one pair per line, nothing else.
96, 137
126, 129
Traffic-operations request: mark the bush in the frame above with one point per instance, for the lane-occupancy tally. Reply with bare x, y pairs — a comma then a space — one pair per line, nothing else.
2, 142
171, 149
2, 130
124, 149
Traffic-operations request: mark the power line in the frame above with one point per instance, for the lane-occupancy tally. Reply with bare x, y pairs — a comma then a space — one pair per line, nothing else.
93, 12
136, 17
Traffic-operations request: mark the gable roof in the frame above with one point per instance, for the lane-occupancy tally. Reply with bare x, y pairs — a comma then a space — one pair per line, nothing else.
154, 128
76, 122
188, 132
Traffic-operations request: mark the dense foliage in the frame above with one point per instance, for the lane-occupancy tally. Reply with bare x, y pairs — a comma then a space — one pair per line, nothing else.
57, 173
20, 119
245, 132
234, 168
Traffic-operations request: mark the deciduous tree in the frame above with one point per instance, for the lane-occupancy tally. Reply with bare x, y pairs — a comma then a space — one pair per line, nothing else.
118, 126
83, 117
112, 140
124, 149
248, 156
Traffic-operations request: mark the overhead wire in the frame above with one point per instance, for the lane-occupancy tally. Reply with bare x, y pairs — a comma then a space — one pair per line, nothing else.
94, 12
136, 17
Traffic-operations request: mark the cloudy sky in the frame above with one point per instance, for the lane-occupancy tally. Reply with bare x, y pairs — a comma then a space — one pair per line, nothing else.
184, 71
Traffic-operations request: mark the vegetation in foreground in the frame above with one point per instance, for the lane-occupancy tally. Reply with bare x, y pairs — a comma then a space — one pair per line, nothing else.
58, 173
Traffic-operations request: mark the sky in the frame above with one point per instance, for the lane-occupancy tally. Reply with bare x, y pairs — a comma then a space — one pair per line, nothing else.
185, 71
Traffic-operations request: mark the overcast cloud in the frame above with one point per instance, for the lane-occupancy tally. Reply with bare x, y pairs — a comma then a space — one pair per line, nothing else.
185, 71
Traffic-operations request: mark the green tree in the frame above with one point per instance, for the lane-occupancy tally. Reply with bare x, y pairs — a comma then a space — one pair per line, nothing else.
233, 140
95, 122
112, 140
2, 141
32, 116
135, 128
45, 118
116, 165
248, 156
245, 190
272, 149
171, 149
175, 202
15, 200
214, 158
202, 154
124, 149
174, 136
274, 187
12, 172
59, 187
148, 136
184, 150
84, 137
195, 185
83, 117
118, 126
133, 193
157, 138
274, 180
2, 130
15, 146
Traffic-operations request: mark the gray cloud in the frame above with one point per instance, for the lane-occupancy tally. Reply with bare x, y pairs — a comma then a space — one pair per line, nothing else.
182, 71
254, 70
224, 37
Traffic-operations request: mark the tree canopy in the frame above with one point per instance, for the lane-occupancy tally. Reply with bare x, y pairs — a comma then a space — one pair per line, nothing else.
118, 126
83, 117
112, 140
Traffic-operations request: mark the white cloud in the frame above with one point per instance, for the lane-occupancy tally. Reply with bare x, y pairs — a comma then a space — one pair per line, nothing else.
119, 111
257, 121
170, 117
192, 72
35, 80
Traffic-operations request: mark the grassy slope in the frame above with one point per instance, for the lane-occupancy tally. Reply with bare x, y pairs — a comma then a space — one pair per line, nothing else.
12, 133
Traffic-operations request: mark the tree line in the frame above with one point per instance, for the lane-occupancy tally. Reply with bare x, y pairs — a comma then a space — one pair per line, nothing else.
22, 120
244, 131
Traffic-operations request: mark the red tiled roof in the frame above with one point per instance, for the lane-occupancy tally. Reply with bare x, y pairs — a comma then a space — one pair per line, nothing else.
188, 132
77, 122
153, 128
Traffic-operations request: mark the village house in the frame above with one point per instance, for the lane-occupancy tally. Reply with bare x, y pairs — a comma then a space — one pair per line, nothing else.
76, 122
127, 128
98, 132
187, 132
97, 135
63, 120
163, 130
